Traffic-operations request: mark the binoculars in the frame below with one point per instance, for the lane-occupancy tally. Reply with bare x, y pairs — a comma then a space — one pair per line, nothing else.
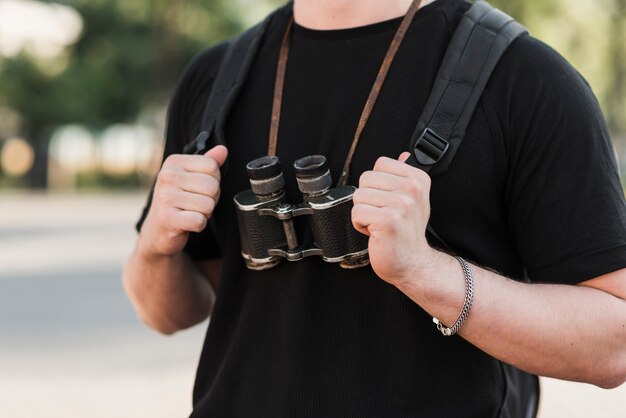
266, 220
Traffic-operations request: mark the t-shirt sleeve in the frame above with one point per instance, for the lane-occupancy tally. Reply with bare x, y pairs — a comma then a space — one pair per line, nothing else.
565, 200
184, 120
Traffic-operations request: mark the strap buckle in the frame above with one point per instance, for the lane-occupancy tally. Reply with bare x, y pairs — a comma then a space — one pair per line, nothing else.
430, 147
201, 144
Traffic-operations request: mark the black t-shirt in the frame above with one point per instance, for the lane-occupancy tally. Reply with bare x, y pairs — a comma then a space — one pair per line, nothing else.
533, 193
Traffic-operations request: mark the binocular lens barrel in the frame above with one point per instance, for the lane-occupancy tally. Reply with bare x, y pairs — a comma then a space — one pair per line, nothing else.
313, 175
266, 176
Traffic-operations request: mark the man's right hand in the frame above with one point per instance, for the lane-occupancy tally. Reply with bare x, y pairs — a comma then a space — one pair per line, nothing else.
185, 194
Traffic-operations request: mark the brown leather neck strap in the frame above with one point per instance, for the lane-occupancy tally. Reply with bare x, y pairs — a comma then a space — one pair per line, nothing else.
369, 104
278, 89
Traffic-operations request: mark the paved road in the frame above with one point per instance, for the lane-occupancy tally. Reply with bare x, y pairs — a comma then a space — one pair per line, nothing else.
70, 345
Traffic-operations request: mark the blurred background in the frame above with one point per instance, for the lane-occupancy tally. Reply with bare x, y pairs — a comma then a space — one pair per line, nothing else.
84, 86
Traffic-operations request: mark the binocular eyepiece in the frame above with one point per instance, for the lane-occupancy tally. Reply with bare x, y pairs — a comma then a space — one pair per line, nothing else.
313, 175
266, 177
266, 219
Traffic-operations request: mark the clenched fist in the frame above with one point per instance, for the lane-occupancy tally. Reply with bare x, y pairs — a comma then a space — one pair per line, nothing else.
185, 194
392, 207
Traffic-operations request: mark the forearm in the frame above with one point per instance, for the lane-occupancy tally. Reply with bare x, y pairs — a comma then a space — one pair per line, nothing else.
168, 292
561, 331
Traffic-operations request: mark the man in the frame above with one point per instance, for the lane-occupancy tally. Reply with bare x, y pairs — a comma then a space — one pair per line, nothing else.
532, 198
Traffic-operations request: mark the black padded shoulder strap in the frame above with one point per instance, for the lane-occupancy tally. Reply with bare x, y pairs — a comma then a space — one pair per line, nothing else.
477, 45
230, 78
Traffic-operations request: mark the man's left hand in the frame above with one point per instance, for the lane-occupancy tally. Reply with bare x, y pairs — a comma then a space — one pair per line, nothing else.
392, 207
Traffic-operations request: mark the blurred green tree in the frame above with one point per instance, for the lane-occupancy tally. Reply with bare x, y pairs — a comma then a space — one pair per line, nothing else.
515, 8
128, 57
529, 11
616, 93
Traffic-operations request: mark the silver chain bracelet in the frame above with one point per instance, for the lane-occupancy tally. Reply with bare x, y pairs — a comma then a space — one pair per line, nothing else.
467, 303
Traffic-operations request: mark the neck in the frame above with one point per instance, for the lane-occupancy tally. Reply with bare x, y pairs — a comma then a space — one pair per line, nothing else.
344, 14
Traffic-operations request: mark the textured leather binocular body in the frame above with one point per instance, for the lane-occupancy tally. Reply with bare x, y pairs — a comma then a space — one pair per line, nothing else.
266, 221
